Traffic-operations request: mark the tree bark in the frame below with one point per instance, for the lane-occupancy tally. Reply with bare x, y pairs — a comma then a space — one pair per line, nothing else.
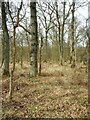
22, 54
46, 46
6, 46
34, 41
72, 37
40, 59
14, 61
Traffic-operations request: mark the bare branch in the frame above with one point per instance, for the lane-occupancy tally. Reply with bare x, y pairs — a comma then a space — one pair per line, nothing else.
24, 28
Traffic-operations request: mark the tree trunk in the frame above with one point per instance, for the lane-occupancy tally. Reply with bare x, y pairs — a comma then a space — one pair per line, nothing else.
28, 42
22, 54
34, 41
59, 37
59, 31
62, 35
14, 48
14, 61
40, 59
6, 46
46, 46
72, 37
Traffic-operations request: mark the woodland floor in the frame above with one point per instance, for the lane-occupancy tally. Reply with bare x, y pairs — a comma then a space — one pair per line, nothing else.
60, 92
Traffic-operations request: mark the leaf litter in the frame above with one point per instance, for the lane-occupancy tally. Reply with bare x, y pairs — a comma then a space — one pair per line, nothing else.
59, 92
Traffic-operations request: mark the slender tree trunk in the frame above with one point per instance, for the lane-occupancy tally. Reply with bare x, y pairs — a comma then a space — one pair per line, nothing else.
14, 61
59, 31
34, 41
28, 42
58, 42
21, 57
40, 59
15, 25
72, 37
22, 54
6, 46
62, 35
70, 43
68, 55
46, 46
14, 48
59, 37
46, 41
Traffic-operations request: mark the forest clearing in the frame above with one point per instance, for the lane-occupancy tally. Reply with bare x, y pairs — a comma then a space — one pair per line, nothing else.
60, 92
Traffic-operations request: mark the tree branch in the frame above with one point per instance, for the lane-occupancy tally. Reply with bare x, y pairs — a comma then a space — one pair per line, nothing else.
24, 28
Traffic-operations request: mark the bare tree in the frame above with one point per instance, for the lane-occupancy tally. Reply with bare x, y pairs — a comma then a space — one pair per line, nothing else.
46, 22
61, 27
15, 25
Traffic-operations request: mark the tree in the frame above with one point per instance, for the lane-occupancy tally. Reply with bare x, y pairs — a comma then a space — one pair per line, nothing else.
15, 25
34, 41
61, 27
5, 41
72, 58
46, 10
